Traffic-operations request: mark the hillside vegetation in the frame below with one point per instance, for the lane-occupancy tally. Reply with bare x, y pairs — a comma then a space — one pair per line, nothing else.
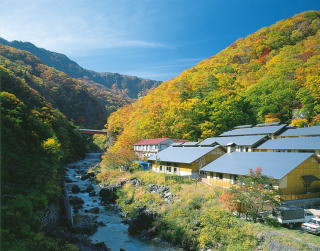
36, 141
271, 75
86, 108
198, 217
128, 86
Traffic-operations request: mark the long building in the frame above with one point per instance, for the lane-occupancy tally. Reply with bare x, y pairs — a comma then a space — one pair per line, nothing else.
185, 160
148, 147
269, 129
236, 143
291, 144
298, 174
301, 132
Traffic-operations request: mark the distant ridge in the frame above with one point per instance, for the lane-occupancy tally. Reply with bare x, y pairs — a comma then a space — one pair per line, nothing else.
130, 86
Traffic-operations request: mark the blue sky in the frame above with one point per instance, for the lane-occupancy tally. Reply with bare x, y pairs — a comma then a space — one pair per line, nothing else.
155, 39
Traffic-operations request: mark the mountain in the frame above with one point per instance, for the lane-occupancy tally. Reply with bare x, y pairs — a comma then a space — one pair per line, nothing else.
130, 86
36, 141
271, 75
86, 107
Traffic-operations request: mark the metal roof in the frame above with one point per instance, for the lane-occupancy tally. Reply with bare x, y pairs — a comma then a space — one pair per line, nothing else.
272, 164
242, 126
190, 143
238, 140
304, 131
150, 141
296, 143
182, 154
176, 144
254, 130
268, 124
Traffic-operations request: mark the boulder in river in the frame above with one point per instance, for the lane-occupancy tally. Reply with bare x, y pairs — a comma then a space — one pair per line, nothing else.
93, 193
75, 189
108, 194
87, 176
73, 166
100, 246
94, 210
142, 221
84, 224
89, 188
74, 200
68, 180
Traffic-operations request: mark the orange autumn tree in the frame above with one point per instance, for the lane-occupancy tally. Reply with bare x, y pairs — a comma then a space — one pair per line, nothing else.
252, 195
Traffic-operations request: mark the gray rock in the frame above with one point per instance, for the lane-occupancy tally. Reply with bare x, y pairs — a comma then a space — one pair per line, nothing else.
75, 189
108, 194
74, 200
68, 180
89, 188
84, 224
94, 210
142, 221
91, 194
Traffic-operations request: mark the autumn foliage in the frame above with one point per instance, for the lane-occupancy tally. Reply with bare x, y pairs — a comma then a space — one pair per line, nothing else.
262, 77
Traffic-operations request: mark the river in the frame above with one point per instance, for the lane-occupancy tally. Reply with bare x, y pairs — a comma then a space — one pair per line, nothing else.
112, 232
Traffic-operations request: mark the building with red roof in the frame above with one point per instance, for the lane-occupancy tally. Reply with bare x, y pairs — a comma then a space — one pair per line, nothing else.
150, 147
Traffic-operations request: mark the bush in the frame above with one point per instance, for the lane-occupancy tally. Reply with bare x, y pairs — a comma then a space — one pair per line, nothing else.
220, 230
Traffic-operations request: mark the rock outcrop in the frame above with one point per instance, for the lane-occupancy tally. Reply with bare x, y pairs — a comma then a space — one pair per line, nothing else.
142, 222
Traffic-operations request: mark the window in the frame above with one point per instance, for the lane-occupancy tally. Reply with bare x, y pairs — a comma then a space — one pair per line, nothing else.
219, 176
169, 169
160, 168
174, 169
233, 179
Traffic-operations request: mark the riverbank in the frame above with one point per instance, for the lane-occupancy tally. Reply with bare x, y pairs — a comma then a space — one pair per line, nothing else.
97, 224
195, 217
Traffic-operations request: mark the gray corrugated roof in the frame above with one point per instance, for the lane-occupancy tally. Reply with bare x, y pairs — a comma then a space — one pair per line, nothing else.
268, 124
190, 143
299, 143
182, 154
254, 130
273, 164
176, 144
305, 131
242, 126
238, 140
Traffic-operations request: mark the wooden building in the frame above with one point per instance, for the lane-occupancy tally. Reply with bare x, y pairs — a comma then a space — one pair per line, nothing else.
185, 160
298, 174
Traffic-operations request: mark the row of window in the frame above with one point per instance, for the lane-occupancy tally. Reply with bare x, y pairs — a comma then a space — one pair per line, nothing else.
219, 176
145, 147
168, 169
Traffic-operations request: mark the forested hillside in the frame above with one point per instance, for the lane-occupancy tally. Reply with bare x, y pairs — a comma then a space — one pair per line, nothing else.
129, 86
36, 141
87, 108
271, 75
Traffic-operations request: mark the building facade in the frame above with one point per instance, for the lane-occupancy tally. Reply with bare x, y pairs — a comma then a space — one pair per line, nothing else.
291, 144
185, 161
149, 147
297, 174
236, 143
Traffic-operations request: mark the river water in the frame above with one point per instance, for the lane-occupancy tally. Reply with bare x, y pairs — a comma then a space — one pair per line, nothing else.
115, 233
